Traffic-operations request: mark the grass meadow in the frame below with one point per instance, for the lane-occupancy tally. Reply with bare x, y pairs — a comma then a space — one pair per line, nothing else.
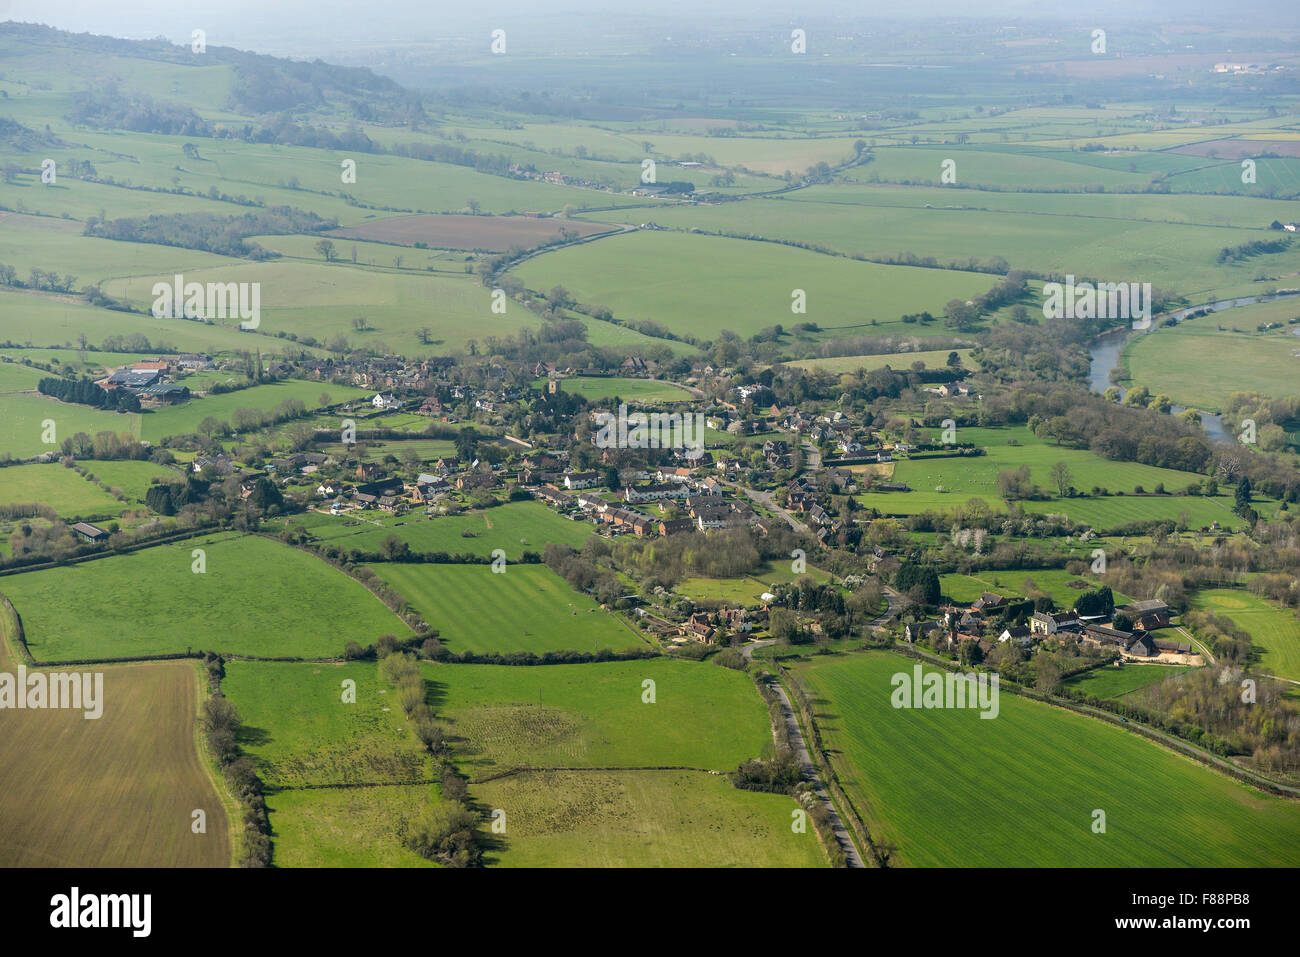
25, 424
1112, 682
150, 602
1060, 584
746, 591
516, 527
952, 789
345, 827
643, 819
1201, 361
526, 608
61, 489
185, 417
596, 389
594, 715
1274, 630
746, 287
945, 483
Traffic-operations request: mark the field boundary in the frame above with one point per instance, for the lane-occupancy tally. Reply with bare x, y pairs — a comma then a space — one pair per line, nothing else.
12, 630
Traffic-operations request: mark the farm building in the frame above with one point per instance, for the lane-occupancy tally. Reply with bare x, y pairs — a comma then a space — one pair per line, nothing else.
90, 533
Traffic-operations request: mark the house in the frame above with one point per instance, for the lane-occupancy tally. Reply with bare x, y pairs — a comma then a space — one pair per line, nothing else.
388, 503
553, 496
675, 474
654, 493
193, 362
671, 526
477, 480
430, 406
90, 533
712, 516
736, 619
446, 465
914, 631
988, 600
221, 464
1021, 635
697, 627
579, 480
1047, 623
386, 401
328, 489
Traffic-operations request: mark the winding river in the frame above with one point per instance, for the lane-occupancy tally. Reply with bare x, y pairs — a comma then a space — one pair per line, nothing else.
1105, 351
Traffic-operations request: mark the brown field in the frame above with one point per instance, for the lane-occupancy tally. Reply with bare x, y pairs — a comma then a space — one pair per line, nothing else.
1237, 149
116, 791
451, 231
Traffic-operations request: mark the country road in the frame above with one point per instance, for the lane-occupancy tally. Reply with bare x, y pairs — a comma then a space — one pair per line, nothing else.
810, 772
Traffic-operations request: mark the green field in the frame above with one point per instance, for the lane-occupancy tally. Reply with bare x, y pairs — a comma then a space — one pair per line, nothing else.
60, 488
964, 589
26, 419
595, 389
44, 320
150, 602
301, 733
517, 527
185, 417
322, 300
341, 776
1201, 361
593, 715
748, 285
132, 478
947, 483
345, 827
1112, 682
952, 789
746, 591
429, 450
898, 361
1274, 630
19, 378
526, 608
643, 819
1171, 241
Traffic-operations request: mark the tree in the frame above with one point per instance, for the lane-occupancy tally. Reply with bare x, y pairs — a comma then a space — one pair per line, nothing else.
1047, 673
1121, 622
473, 205
1062, 478
326, 249
466, 443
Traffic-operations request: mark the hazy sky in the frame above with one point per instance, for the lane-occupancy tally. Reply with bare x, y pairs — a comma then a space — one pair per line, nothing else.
283, 25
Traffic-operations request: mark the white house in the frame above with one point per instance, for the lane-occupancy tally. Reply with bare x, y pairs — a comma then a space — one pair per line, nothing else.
386, 400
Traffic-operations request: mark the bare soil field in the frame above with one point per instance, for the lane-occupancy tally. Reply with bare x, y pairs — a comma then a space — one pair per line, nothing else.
115, 791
